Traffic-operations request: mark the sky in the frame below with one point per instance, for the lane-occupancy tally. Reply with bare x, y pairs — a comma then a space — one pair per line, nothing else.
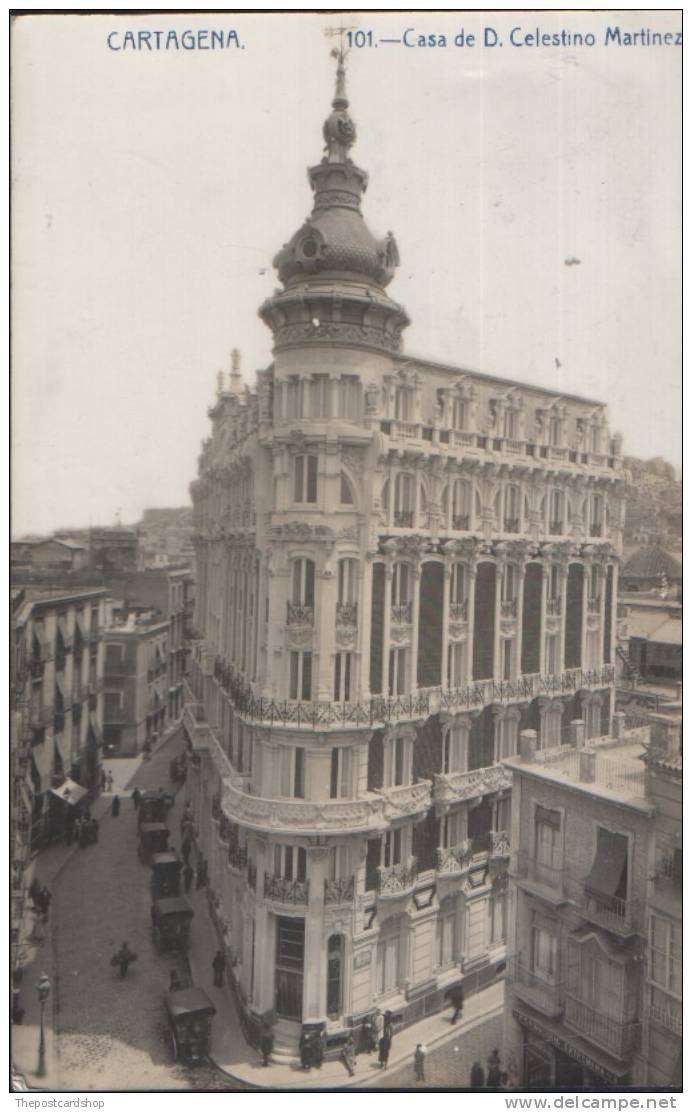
152, 189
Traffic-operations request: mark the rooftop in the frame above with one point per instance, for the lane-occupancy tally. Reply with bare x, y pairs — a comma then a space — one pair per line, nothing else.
650, 562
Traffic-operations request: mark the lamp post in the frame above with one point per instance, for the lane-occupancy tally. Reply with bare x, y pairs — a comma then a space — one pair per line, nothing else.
43, 989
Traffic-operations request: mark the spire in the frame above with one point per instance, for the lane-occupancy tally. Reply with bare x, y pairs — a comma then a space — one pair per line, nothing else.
236, 377
339, 129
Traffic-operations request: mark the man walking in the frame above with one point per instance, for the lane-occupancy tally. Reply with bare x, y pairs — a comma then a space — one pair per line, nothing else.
419, 1062
123, 958
219, 967
188, 874
455, 995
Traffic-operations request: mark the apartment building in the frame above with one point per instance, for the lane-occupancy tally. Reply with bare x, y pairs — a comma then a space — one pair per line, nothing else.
136, 687
593, 983
401, 565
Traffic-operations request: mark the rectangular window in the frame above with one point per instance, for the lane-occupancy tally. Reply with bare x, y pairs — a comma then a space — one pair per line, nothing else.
387, 965
319, 396
446, 932
544, 953
509, 583
665, 954
347, 582
453, 754
349, 397
459, 415
511, 424
400, 585
299, 773
392, 848
291, 772
403, 404
498, 919
397, 672
300, 683
453, 829
305, 479
548, 839
551, 653
295, 396
456, 671
339, 862
507, 658
290, 862
341, 775
342, 677
506, 738
398, 761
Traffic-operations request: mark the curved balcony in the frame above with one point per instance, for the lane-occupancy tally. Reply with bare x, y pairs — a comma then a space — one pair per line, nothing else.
284, 891
339, 891
300, 817
457, 787
406, 800
454, 860
394, 881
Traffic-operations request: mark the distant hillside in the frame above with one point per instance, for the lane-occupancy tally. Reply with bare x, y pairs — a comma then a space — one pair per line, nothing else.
654, 503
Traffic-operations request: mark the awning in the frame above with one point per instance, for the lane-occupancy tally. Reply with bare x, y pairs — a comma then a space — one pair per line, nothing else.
609, 864
69, 792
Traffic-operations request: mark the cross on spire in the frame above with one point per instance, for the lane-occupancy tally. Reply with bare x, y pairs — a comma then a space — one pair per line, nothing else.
330, 32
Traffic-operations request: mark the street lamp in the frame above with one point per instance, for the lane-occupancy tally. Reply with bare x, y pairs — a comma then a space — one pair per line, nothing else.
43, 989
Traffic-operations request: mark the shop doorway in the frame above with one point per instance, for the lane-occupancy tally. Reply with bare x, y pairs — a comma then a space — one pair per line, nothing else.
290, 955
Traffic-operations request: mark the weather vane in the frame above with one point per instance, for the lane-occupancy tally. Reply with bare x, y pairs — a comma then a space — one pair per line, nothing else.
330, 32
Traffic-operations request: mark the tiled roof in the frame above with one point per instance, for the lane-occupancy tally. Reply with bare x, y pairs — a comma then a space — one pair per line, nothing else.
650, 562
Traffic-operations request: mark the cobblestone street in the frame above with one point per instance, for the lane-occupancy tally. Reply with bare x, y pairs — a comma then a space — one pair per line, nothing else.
447, 1066
112, 1033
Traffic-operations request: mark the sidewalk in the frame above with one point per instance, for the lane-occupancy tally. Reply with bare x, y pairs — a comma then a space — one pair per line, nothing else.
235, 1057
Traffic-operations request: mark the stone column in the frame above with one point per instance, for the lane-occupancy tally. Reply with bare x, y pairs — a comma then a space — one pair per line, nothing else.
544, 607
365, 571
325, 617
586, 580
446, 588
472, 569
497, 666
264, 957
516, 669
415, 616
563, 570
315, 969
387, 625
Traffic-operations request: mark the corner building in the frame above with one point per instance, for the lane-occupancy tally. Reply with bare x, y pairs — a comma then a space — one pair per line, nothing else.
401, 564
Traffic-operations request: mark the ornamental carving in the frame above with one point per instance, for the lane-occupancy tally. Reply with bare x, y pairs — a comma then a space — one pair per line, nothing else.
458, 631
400, 635
353, 460
298, 638
457, 787
339, 332
346, 636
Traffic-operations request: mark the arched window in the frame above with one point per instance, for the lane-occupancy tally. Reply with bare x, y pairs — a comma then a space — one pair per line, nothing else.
305, 479
511, 424
459, 414
403, 403
346, 492
347, 581
404, 499
461, 504
596, 526
295, 396
303, 583
556, 512
511, 516
457, 586
401, 585
349, 397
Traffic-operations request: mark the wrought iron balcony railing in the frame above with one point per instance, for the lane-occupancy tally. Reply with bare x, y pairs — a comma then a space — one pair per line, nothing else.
508, 608
347, 613
395, 880
546, 876
403, 519
537, 988
402, 613
453, 860
298, 615
285, 891
668, 1014
340, 890
459, 611
618, 1036
499, 846
611, 912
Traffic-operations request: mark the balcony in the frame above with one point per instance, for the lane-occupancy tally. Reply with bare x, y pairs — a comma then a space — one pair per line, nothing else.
617, 1036
461, 521
459, 611
536, 989
610, 912
297, 817
457, 787
282, 890
454, 860
298, 615
508, 608
403, 519
339, 891
347, 613
668, 1015
555, 528
511, 525
406, 800
402, 613
394, 881
499, 843
596, 529
553, 607
593, 604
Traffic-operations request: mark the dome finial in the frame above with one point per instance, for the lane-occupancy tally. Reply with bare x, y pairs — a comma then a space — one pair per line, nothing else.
339, 129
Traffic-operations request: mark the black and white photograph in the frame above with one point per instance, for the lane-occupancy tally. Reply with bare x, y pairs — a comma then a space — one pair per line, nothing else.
346, 553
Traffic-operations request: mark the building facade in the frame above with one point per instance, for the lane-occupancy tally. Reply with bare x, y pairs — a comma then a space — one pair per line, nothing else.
400, 566
59, 714
136, 687
594, 973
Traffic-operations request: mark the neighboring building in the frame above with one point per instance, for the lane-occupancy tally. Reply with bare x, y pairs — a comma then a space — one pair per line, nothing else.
650, 643
59, 640
400, 565
594, 841
650, 568
52, 555
113, 549
22, 789
165, 537
136, 683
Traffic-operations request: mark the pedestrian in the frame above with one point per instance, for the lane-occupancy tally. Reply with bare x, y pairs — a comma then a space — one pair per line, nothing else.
136, 797
455, 995
201, 873
109, 781
188, 874
387, 1024
348, 1056
219, 967
419, 1061
266, 1043
305, 1047
477, 1076
123, 958
384, 1046
103, 780
504, 1080
45, 897
492, 1080
174, 981
94, 825
146, 750
115, 806
186, 848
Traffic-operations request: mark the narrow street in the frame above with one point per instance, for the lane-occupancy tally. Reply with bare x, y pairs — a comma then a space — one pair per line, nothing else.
447, 1066
112, 1033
